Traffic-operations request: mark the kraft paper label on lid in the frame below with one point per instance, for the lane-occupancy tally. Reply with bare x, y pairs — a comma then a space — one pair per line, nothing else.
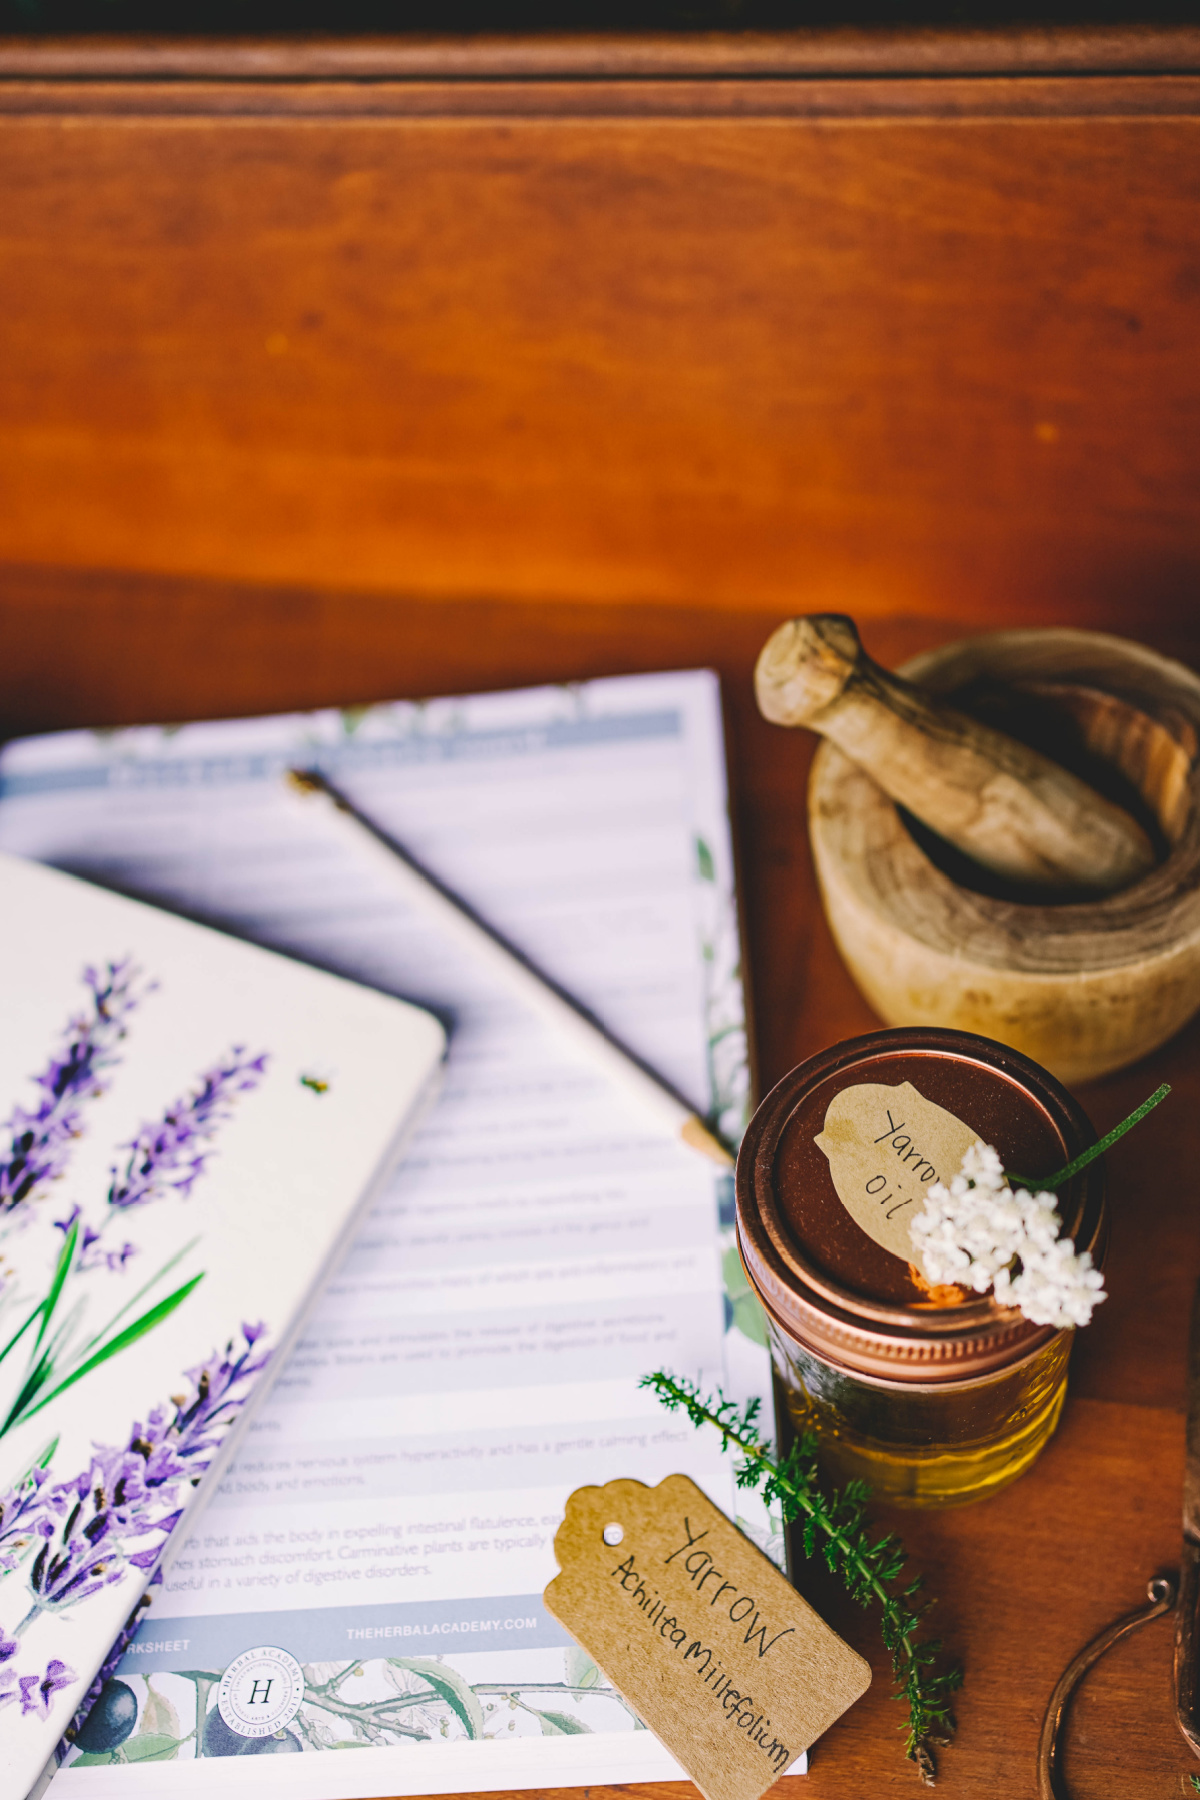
712, 1646
886, 1146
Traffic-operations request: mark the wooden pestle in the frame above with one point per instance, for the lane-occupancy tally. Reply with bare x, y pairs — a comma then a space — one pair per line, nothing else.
1011, 809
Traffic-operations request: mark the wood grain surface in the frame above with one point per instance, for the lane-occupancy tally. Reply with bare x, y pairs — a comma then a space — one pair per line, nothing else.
318, 384
834, 338
1023, 1579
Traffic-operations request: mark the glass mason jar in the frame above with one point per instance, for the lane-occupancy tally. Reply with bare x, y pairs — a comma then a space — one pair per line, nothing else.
934, 1396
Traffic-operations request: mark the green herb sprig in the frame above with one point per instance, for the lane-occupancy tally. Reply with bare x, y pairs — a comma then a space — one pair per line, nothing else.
836, 1525
1060, 1177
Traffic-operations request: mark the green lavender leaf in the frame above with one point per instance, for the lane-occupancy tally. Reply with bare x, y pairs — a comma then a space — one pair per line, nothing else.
61, 1270
123, 1339
34, 1381
144, 1289
19, 1333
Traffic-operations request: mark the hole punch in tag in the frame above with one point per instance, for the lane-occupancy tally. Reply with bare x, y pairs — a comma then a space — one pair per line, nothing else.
713, 1648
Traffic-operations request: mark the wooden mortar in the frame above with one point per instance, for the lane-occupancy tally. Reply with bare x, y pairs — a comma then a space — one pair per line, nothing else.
1084, 987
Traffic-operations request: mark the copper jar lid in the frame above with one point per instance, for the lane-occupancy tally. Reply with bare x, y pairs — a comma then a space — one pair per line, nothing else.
826, 1284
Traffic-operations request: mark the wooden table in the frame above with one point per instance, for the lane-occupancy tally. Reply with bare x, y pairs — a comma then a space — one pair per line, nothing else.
1022, 1580
265, 446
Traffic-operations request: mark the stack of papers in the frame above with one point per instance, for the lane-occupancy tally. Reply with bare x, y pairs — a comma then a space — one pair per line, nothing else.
390, 1519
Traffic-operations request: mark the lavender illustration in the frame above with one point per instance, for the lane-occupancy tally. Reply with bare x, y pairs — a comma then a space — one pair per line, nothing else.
40, 1141
165, 1159
118, 1512
73, 1538
68, 1540
22, 1509
92, 1252
35, 1692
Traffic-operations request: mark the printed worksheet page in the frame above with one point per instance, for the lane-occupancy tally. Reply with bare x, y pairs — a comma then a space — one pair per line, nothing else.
379, 1548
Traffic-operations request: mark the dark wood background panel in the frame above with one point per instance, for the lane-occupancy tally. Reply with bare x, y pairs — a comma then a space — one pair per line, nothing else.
928, 366
1027, 49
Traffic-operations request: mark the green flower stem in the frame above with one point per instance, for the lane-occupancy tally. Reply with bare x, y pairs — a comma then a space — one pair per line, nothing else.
1051, 1183
869, 1567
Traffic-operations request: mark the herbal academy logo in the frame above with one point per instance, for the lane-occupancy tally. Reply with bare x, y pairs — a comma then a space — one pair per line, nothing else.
261, 1692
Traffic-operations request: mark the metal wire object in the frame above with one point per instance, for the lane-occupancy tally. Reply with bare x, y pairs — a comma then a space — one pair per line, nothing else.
1161, 1594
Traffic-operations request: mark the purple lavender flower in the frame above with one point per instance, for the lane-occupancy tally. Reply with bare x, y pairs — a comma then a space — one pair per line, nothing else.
35, 1692
166, 1158
221, 1386
9, 1677
120, 1510
38, 1691
176, 1446
25, 1511
91, 1254
40, 1141
84, 1553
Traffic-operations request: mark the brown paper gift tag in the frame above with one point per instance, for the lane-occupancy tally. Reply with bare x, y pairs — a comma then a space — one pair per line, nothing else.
710, 1644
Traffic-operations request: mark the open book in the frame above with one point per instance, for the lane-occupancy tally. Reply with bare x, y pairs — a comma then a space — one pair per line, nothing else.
190, 1127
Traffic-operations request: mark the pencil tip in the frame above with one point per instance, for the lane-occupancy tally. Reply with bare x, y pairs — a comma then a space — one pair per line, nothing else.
695, 1132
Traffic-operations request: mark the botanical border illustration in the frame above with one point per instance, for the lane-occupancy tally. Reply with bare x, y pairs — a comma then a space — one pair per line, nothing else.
63, 1540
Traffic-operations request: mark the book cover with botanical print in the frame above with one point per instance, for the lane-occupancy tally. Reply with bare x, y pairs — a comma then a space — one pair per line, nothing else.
189, 1127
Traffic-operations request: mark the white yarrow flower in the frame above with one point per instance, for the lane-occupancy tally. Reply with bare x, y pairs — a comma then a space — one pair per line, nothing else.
981, 1233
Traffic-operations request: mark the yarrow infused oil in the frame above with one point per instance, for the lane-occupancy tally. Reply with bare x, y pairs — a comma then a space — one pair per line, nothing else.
917, 1380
